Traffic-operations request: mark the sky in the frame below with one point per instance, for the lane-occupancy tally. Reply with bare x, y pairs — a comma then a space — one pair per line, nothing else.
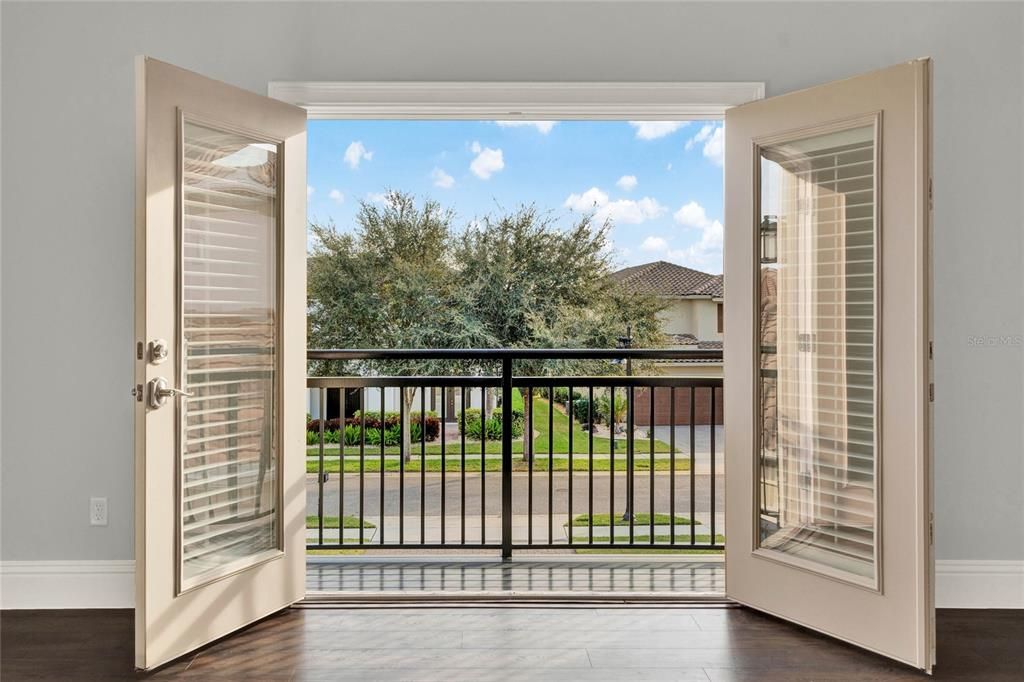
659, 182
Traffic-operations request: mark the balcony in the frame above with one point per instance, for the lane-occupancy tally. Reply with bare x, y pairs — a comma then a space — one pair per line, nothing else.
602, 464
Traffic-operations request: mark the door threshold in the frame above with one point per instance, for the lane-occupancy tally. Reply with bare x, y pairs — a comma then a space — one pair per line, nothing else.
504, 598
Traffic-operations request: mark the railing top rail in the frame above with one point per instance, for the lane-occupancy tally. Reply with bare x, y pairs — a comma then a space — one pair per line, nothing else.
514, 354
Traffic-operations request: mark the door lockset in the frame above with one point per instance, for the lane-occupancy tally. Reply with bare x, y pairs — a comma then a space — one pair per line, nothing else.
158, 351
160, 391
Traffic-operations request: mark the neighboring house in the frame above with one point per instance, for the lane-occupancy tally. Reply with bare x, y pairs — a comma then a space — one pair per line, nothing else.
692, 318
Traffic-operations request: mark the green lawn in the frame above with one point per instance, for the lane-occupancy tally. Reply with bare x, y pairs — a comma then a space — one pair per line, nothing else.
640, 519
558, 437
546, 441
453, 464
332, 522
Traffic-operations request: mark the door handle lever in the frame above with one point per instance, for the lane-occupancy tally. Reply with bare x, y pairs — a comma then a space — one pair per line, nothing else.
160, 391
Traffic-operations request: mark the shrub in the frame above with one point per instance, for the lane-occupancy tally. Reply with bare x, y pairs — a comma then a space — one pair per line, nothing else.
603, 409
392, 422
475, 429
581, 410
352, 432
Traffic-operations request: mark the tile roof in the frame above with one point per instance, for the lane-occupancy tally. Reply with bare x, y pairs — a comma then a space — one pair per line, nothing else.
668, 279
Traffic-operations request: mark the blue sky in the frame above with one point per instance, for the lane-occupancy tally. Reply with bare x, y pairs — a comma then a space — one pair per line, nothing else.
660, 182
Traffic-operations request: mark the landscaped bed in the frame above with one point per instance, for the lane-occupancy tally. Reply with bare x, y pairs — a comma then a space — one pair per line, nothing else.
545, 441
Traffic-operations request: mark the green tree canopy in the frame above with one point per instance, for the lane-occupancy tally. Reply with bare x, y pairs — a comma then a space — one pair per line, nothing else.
404, 277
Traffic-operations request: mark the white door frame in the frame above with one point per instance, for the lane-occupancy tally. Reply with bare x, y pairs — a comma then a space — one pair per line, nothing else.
522, 101
518, 101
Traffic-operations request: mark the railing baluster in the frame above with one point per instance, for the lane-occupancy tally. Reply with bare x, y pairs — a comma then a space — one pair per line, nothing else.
320, 474
423, 465
483, 466
528, 444
362, 460
611, 464
401, 463
341, 466
630, 514
444, 469
714, 471
651, 421
590, 465
693, 467
506, 459
551, 464
382, 463
570, 410
672, 465
462, 468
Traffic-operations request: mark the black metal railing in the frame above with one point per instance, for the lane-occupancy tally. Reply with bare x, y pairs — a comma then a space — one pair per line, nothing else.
566, 470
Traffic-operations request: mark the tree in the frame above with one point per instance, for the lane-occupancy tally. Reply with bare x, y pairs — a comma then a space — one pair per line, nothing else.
405, 279
535, 285
389, 285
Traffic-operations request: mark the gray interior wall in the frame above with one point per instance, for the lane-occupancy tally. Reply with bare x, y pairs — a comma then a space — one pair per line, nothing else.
68, 164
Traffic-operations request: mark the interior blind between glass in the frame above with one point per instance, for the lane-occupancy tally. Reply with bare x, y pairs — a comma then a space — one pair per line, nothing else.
228, 270
818, 343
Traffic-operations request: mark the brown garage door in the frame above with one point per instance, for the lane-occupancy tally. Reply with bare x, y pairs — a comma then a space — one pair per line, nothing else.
663, 406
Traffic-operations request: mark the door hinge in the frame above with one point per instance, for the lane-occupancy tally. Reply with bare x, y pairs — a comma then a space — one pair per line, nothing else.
931, 529
931, 350
931, 393
139, 350
931, 195
137, 391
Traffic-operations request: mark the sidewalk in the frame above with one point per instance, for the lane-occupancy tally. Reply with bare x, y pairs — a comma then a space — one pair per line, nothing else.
520, 529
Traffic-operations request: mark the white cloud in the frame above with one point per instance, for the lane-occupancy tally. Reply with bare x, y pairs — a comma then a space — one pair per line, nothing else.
543, 127
442, 179
653, 243
336, 196
487, 162
629, 211
652, 130
309, 191
618, 211
356, 153
627, 182
692, 215
592, 199
376, 197
706, 254
713, 138
668, 167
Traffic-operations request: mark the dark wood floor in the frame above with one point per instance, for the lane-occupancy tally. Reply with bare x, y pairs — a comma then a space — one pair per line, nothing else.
513, 643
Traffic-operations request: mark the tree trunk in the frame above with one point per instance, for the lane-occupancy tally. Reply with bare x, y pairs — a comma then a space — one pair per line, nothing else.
408, 395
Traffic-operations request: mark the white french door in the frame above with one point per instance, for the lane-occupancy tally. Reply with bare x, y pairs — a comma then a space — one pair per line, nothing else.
220, 359
827, 368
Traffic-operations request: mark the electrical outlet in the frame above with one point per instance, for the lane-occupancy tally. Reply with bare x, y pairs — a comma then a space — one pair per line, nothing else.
98, 511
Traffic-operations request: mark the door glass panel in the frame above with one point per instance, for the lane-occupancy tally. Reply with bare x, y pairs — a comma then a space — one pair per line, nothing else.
228, 302
817, 334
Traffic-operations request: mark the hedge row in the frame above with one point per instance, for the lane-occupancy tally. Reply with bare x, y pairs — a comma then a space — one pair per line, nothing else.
392, 424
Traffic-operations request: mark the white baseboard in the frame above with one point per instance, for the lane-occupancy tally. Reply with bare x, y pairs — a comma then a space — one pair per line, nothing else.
979, 584
111, 584
67, 584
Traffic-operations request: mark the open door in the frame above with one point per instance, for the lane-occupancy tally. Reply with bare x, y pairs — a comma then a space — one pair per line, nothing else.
827, 368
220, 325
